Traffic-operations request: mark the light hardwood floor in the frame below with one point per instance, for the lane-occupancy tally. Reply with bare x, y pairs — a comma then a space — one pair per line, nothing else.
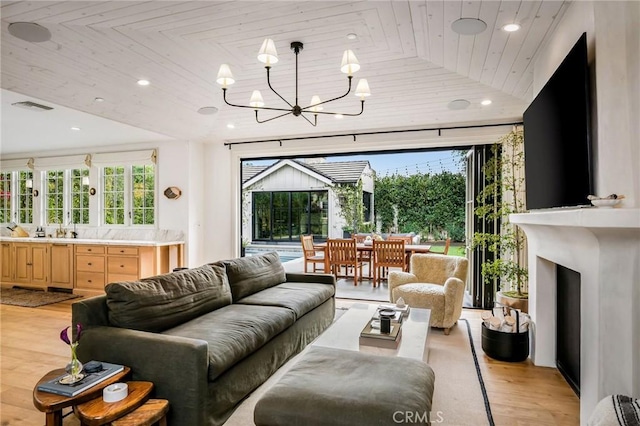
520, 393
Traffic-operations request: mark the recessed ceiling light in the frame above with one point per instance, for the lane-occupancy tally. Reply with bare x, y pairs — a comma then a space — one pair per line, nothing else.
208, 110
352, 36
339, 116
511, 27
486, 102
98, 100
468, 26
75, 128
231, 126
29, 31
459, 104
143, 82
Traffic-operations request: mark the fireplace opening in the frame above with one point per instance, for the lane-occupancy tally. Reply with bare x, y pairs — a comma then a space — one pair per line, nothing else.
568, 325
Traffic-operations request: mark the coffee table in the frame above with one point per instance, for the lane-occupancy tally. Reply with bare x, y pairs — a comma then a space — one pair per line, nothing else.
345, 333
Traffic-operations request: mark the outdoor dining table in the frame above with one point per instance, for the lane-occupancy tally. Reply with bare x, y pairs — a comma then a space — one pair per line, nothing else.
364, 248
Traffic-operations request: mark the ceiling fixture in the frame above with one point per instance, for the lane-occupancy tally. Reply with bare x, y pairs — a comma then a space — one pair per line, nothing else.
459, 104
468, 26
29, 31
352, 36
75, 128
231, 126
143, 82
32, 106
98, 100
269, 56
486, 102
511, 27
210, 110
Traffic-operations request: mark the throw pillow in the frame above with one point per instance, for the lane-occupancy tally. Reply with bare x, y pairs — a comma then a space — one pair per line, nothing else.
158, 303
248, 275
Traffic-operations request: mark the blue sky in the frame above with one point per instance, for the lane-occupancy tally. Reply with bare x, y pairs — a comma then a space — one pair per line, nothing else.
401, 163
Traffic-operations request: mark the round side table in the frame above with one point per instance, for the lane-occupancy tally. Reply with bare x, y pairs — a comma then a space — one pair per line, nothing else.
52, 404
97, 412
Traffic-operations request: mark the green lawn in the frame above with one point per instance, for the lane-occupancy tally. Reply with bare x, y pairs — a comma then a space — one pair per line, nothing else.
454, 250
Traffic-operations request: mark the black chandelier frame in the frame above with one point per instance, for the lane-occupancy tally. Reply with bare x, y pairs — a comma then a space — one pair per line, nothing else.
296, 109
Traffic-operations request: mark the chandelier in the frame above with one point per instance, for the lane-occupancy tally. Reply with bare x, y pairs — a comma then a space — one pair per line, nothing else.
269, 56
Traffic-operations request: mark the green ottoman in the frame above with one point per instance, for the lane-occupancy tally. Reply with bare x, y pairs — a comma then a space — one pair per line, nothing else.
338, 387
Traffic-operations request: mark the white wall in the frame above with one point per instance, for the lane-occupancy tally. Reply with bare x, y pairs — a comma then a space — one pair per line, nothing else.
612, 39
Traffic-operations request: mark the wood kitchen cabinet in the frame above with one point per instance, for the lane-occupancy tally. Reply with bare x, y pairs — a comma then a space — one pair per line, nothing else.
31, 264
62, 269
98, 265
6, 271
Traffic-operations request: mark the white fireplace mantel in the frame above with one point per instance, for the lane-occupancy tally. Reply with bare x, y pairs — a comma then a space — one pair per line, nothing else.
603, 245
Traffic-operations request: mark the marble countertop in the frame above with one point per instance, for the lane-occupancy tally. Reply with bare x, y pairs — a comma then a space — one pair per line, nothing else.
90, 241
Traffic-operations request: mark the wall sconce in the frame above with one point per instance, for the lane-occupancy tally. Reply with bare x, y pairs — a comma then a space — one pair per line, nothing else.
29, 185
172, 192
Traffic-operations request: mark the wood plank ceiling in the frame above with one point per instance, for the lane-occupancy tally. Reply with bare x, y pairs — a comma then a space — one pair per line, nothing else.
414, 62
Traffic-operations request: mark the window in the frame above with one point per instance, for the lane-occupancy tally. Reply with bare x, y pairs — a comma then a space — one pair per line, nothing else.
80, 196
129, 195
143, 195
25, 197
54, 196
113, 192
5, 197
284, 216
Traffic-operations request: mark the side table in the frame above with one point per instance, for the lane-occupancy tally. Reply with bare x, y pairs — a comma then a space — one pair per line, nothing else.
52, 404
97, 412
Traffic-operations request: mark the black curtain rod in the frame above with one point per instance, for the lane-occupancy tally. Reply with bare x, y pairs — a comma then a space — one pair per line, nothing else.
354, 134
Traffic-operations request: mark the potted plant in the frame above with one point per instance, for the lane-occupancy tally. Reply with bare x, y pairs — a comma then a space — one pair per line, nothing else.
502, 196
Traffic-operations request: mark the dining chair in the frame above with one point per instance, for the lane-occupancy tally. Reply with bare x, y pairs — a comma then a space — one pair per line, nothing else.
344, 252
364, 255
387, 254
311, 253
446, 246
407, 240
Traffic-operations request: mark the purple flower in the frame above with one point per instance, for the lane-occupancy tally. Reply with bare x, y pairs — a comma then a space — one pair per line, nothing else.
64, 336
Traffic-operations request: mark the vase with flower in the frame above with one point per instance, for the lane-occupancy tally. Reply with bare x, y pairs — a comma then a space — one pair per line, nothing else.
74, 367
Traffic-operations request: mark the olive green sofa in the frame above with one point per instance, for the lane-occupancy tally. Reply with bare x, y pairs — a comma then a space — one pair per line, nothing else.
208, 336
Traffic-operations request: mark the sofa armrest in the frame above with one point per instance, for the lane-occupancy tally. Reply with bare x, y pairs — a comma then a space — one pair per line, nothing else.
177, 366
312, 278
90, 312
397, 278
453, 300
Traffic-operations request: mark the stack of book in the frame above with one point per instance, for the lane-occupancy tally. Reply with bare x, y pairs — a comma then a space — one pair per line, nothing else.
404, 310
372, 336
89, 380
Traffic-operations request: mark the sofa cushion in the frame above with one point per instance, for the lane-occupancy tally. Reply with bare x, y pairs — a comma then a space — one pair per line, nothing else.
235, 332
248, 275
164, 301
299, 297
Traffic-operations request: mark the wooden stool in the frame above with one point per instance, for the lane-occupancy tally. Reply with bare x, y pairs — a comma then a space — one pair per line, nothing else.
151, 412
97, 412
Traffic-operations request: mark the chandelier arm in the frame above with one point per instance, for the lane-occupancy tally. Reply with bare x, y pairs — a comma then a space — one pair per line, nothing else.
315, 123
272, 118
331, 100
341, 113
274, 90
224, 92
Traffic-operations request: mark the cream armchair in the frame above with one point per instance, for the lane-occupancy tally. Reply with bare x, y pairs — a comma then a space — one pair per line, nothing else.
434, 281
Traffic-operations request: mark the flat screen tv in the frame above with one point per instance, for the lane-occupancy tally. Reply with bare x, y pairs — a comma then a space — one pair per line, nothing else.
557, 136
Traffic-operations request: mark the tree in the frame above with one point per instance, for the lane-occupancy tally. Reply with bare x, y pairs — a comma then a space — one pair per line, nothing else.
502, 196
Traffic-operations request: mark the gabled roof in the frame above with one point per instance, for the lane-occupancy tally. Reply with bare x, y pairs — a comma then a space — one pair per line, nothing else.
336, 172
341, 171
